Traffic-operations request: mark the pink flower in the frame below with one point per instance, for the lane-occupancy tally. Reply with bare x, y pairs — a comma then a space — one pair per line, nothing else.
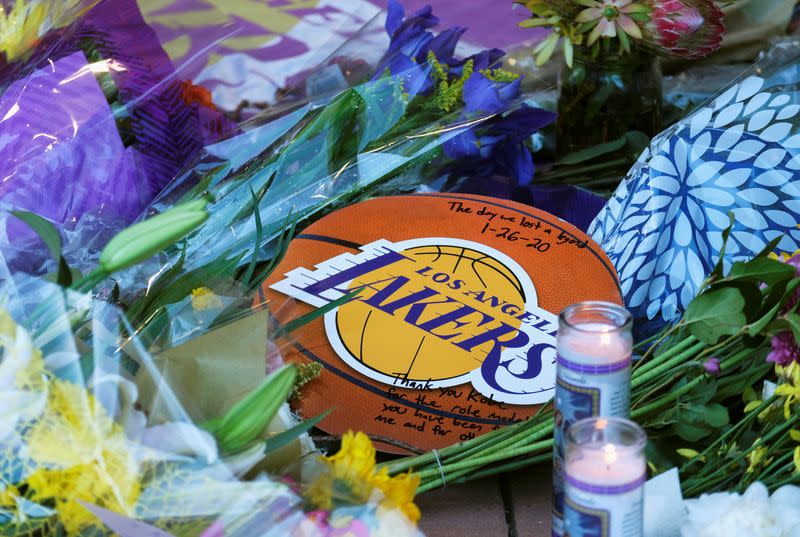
612, 17
686, 28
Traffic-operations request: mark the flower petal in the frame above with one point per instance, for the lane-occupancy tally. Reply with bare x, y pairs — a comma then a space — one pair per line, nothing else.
591, 14
608, 28
629, 26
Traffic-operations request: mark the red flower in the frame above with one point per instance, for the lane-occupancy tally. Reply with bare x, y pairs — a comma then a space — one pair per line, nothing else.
687, 28
192, 94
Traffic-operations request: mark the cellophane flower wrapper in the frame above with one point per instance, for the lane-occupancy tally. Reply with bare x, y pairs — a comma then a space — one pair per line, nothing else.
296, 170
75, 433
95, 116
295, 163
738, 153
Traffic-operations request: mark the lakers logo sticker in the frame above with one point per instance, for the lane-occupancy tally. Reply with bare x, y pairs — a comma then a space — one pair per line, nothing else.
434, 313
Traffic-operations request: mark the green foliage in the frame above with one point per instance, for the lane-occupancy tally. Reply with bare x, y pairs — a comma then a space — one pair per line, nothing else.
695, 422
243, 424
712, 315
448, 93
52, 239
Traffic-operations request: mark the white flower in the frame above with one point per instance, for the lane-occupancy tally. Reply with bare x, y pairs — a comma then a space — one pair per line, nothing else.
753, 514
394, 523
16, 353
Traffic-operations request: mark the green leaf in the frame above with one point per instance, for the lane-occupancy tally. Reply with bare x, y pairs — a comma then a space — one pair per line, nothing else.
690, 431
717, 272
770, 247
276, 442
303, 320
598, 100
774, 301
794, 324
46, 231
761, 269
257, 243
591, 153
637, 141
716, 313
64, 278
695, 422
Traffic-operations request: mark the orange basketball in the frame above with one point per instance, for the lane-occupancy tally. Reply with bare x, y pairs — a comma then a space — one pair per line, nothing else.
445, 317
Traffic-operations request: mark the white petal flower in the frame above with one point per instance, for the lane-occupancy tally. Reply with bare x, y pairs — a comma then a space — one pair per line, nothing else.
753, 514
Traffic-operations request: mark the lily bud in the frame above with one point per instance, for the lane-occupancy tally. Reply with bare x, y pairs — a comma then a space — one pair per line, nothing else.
147, 238
249, 418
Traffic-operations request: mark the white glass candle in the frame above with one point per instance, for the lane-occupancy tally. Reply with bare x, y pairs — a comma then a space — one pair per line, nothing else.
605, 474
593, 378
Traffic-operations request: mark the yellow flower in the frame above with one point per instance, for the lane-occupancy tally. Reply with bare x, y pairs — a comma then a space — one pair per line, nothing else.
783, 256
204, 299
789, 387
25, 23
796, 459
352, 478
400, 492
8, 496
757, 458
82, 454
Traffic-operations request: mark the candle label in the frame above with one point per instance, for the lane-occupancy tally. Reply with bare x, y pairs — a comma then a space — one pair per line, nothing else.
597, 511
583, 391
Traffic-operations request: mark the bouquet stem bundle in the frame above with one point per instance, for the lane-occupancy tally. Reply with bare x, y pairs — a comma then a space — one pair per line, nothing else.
686, 390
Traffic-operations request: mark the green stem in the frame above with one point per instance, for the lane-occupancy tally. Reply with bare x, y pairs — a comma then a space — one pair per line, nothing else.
584, 169
645, 376
791, 480
644, 365
88, 282
674, 396
464, 476
470, 464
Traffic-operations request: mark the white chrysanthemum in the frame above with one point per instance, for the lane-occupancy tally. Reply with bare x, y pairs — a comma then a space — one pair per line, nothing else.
753, 514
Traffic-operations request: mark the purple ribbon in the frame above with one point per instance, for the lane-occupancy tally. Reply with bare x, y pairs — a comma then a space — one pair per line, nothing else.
600, 369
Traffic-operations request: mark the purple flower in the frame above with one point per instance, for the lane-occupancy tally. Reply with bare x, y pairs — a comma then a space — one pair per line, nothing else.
784, 349
216, 529
500, 149
443, 46
484, 95
712, 366
409, 37
415, 78
784, 346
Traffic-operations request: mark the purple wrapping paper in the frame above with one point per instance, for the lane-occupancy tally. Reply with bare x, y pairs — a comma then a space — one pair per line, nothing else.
45, 145
61, 147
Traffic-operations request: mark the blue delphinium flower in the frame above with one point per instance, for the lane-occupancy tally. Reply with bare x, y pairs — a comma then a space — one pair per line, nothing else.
421, 61
500, 147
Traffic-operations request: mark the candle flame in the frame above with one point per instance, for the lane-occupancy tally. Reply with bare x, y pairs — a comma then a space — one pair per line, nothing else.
605, 339
610, 453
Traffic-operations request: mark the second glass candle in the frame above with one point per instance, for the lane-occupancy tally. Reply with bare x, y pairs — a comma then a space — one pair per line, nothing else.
593, 378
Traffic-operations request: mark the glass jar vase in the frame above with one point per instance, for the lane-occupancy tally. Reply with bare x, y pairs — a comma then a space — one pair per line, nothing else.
602, 98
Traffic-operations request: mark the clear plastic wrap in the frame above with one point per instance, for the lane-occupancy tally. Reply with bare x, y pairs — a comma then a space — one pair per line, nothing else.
86, 451
75, 432
95, 118
740, 154
411, 123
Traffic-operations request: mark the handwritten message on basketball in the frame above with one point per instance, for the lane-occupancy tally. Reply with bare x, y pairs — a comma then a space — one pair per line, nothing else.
450, 331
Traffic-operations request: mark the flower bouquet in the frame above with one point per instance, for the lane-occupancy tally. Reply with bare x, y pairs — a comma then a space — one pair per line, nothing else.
92, 108
85, 452
697, 386
424, 116
611, 84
